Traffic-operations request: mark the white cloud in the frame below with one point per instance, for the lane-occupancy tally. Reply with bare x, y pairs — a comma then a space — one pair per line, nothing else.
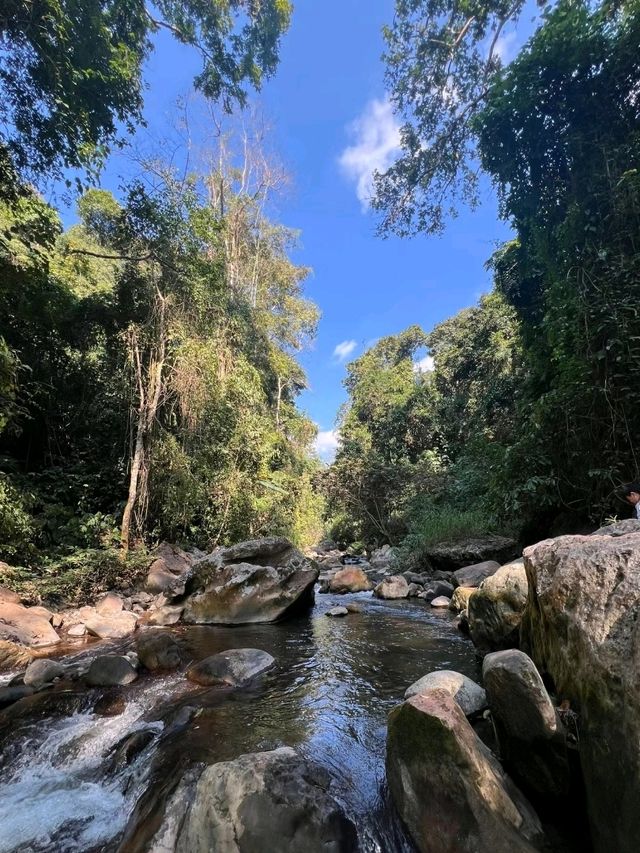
376, 141
506, 46
326, 444
424, 365
344, 350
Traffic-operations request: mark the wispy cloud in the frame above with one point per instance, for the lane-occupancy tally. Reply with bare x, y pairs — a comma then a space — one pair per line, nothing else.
326, 444
343, 351
507, 46
376, 141
424, 365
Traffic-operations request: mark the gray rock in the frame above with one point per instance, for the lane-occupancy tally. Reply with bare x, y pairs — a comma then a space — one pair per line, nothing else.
449, 789
620, 528
393, 587
42, 671
464, 552
530, 735
13, 693
469, 695
495, 610
337, 611
170, 571
157, 650
474, 575
413, 590
234, 667
271, 801
437, 588
110, 670
414, 577
441, 601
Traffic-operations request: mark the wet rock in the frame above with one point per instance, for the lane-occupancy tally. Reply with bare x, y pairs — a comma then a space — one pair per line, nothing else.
111, 605
114, 627
42, 671
129, 748
438, 588
278, 796
351, 579
110, 670
528, 729
450, 791
441, 601
460, 598
234, 667
352, 607
157, 651
474, 575
13, 693
337, 611
25, 625
112, 704
469, 695
78, 630
170, 571
582, 627
394, 587
495, 611
243, 593
465, 552
13, 655
170, 614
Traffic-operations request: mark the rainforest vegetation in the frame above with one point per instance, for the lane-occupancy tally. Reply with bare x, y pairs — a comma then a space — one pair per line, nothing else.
148, 372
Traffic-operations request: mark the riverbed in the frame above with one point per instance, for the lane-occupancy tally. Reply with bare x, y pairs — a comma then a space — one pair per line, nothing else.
63, 789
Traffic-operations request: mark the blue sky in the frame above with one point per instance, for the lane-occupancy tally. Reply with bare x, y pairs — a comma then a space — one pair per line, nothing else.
331, 127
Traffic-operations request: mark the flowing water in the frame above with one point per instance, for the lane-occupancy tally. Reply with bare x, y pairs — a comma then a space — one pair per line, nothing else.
66, 786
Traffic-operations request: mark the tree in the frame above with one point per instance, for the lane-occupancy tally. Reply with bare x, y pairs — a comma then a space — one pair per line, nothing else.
71, 72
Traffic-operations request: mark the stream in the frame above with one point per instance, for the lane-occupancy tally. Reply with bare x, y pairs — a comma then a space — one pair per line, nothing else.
65, 787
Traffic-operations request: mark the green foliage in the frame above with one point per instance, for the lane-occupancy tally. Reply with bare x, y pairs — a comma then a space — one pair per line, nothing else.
71, 73
431, 524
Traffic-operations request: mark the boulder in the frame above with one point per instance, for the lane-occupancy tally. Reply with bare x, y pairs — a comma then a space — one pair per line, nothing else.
382, 557
530, 734
169, 614
394, 587
110, 670
495, 610
42, 671
268, 800
582, 628
114, 627
413, 590
111, 605
450, 791
157, 650
234, 667
337, 611
170, 570
460, 598
474, 575
441, 601
465, 552
13, 655
620, 528
260, 591
438, 588
13, 693
22, 625
469, 695
350, 579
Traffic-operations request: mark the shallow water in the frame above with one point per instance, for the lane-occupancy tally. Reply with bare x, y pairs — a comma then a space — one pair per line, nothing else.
335, 681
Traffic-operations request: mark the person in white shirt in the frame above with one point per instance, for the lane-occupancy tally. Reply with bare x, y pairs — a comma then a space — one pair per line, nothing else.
631, 493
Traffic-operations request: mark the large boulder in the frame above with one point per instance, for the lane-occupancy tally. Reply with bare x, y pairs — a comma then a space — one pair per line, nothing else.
42, 671
582, 627
232, 668
530, 734
113, 627
25, 625
267, 800
469, 695
465, 552
473, 576
170, 570
278, 581
460, 598
394, 587
450, 791
495, 609
350, 579
110, 670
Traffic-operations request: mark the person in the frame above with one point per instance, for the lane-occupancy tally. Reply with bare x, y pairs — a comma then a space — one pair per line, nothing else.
631, 493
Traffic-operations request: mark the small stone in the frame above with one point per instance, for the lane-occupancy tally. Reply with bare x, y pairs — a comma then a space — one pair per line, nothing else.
337, 611
42, 671
441, 601
352, 607
56, 620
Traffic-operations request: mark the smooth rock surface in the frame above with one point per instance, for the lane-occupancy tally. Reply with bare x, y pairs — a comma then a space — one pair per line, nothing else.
495, 611
469, 695
582, 627
473, 576
114, 627
268, 801
530, 734
451, 792
460, 598
234, 667
157, 650
169, 614
337, 611
394, 587
441, 601
110, 670
350, 579
42, 671
20, 624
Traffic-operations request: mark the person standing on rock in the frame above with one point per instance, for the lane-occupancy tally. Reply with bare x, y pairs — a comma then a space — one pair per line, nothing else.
631, 493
